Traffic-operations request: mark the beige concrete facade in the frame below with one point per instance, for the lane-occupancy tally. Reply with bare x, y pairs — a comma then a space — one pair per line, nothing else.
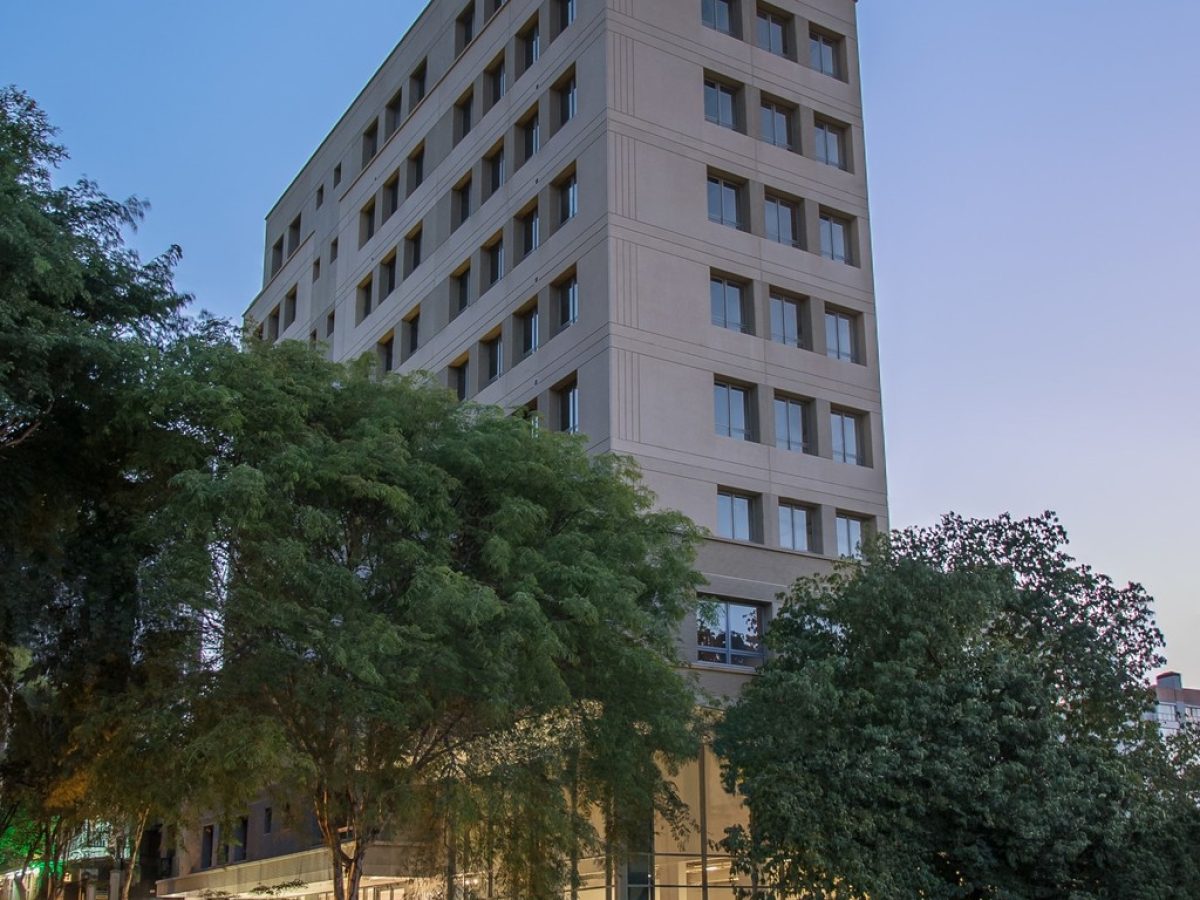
647, 107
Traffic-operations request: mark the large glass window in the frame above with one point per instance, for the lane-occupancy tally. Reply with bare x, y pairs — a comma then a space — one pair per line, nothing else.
791, 424
847, 441
776, 120
840, 340
781, 219
734, 516
829, 140
824, 51
850, 533
568, 408
720, 104
723, 202
493, 352
785, 321
729, 631
773, 33
835, 238
731, 411
728, 304
568, 302
530, 337
795, 526
717, 14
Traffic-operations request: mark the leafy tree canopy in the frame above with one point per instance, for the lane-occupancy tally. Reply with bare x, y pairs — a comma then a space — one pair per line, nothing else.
417, 602
958, 715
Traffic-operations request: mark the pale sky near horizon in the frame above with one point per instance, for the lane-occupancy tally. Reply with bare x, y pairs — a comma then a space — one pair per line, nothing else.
1034, 171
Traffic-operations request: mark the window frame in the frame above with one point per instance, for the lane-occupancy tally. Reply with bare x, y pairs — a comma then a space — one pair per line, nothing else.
733, 401
728, 654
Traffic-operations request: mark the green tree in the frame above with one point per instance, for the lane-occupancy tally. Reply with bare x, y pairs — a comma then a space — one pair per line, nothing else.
89, 336
958, 715
415, 603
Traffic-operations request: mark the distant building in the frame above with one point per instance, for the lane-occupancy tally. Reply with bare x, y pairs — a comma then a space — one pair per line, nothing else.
1175, 704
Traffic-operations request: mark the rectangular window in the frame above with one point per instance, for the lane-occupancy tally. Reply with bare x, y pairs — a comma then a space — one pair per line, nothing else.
835, 238
366, 223
464, 113
568, 101
530, 338
568, 301
273, 325
724, 201
495, 258
412, 333
385, 354
416, 169
498, 81
366, 299
720, 104
267, 820
531, 232
735, 516
824, 53
387, 275
782, 217
370, 143
333, 250
718, 15
785, 321
393, 113
731, 411
416, 86
465, 28
568, 408
459, 380
795, 527
531, 138
850, 533
462, 201
729, 632
320, 196
391, 196
530, 41
776, 121
316, 269
791, 424
568, 198
293, 236
337, 174
412, 251
462, 289
830, 143
772, 33
496, 171
206, 847
277, 256
289, 308
566, 13
840, 338
727, 300
847, 437
330, 322
493, 358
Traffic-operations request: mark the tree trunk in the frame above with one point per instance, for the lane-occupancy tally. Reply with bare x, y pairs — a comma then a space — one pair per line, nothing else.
135, 844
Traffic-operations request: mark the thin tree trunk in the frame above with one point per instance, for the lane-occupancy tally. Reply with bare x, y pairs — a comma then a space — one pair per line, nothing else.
135, 844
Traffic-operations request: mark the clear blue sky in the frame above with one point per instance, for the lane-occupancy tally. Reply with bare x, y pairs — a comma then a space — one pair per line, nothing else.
1034, 170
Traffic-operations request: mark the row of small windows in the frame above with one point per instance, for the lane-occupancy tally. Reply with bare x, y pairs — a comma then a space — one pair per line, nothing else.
403, 260
725, 105
782, 218
731, 306
740, 517
776, 32
395, 110
735, 415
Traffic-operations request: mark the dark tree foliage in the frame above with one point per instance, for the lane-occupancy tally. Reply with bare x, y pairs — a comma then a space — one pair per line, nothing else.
422, 605
88, 332
960, 716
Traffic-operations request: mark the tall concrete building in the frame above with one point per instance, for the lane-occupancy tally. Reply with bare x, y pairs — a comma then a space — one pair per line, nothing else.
646, 220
